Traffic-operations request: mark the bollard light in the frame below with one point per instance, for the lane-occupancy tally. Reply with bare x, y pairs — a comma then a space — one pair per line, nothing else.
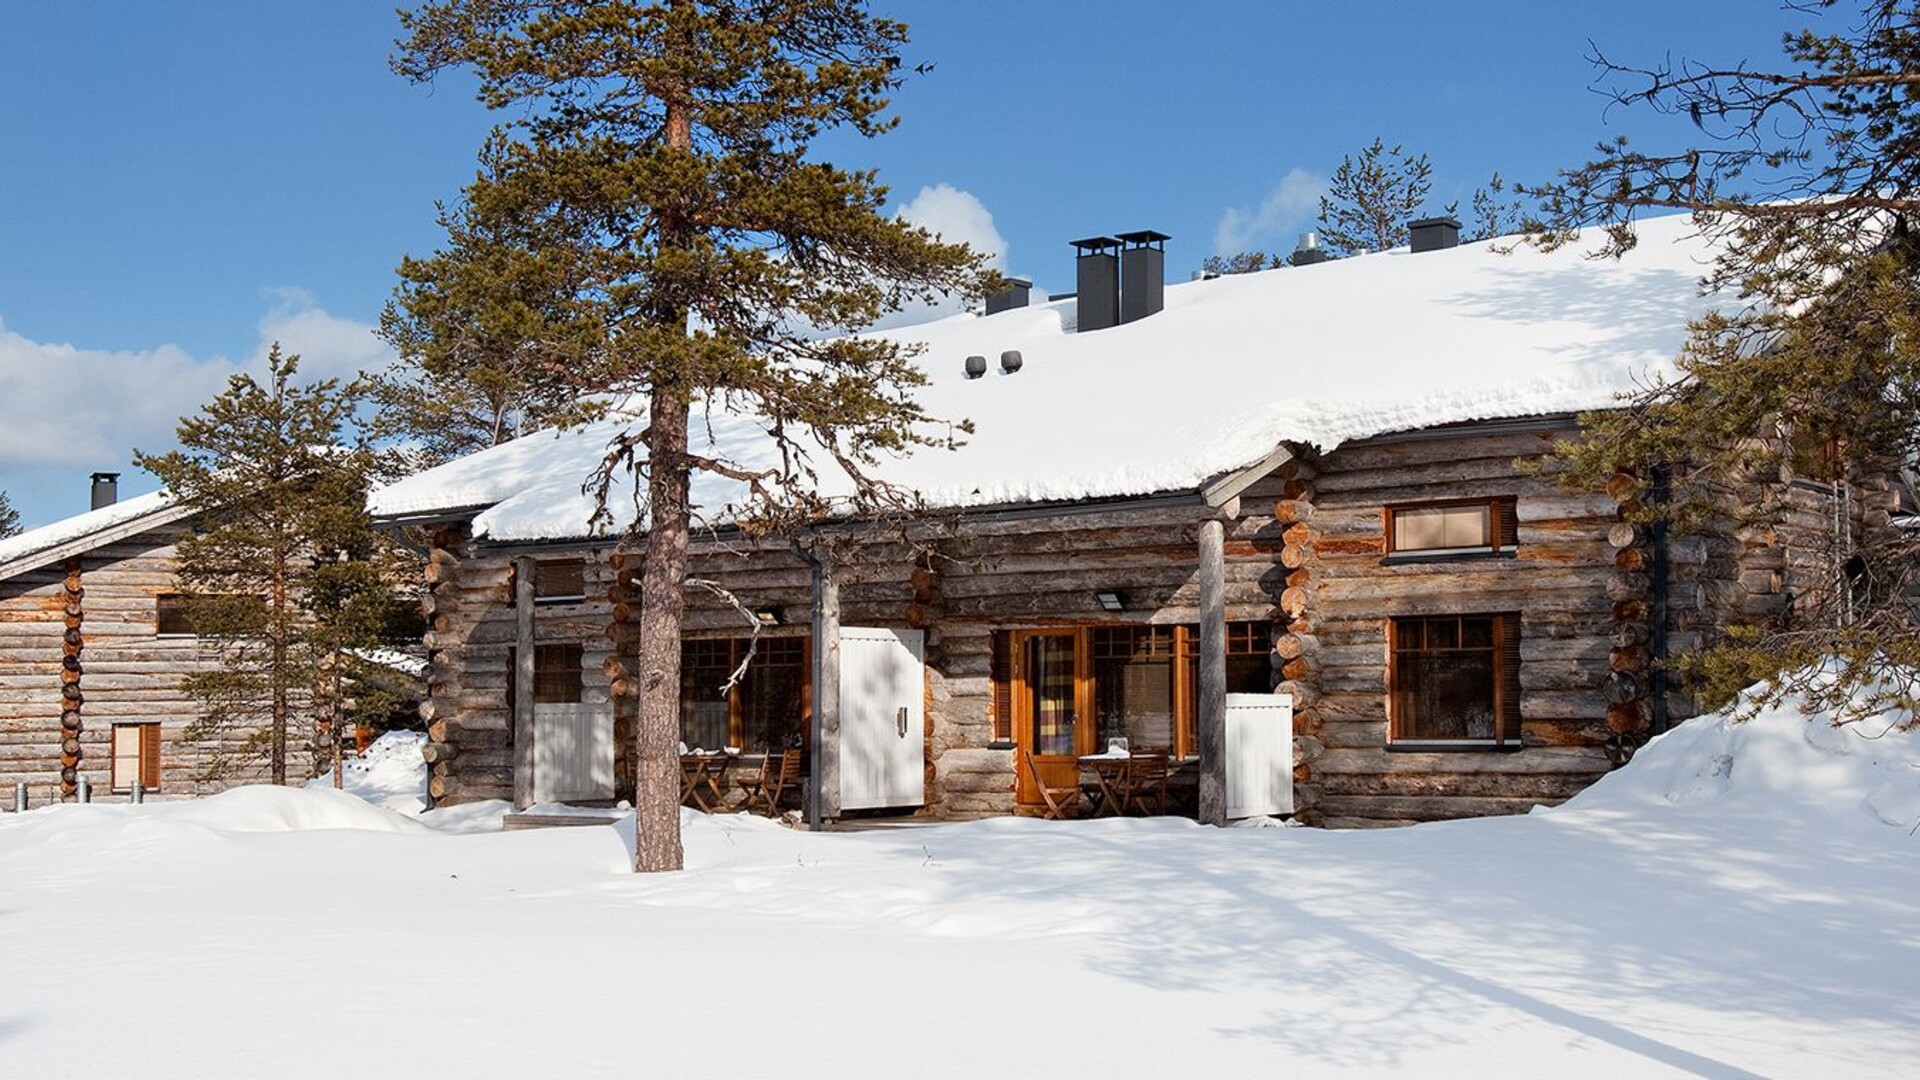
139, 793
20, 797
83, 790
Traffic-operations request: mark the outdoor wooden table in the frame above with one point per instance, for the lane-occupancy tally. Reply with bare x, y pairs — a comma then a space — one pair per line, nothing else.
1108, 792
703, 781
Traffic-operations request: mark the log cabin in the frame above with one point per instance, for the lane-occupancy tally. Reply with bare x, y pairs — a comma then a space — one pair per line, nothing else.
1306, 486
93, 644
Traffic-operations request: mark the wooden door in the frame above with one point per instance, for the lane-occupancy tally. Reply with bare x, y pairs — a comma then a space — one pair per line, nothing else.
1052, 707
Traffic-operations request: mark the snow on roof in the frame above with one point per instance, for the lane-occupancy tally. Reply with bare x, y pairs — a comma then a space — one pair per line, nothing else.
1231, 368
95, 527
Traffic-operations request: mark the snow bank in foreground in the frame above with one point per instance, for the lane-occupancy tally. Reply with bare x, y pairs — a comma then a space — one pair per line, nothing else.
1781, 759
391, 774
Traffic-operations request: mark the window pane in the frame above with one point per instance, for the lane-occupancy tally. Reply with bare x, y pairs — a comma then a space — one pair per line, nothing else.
1450, 696
126, 756
1428, 528
1134, 700
1476, 633
704, 666
553, 580
1050, 693
170, 614
1249, 675
556, 674
773, 694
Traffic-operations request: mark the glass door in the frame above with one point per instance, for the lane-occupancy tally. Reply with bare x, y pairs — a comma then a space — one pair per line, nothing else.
1051, 719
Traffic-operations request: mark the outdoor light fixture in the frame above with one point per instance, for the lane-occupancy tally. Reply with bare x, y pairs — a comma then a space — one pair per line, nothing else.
1110, 601
769, 617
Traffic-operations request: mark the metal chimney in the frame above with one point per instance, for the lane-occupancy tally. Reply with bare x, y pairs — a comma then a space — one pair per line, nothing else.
1308, 251
1096, 275
106, 489
1015, 295
1434, 233
1143, 273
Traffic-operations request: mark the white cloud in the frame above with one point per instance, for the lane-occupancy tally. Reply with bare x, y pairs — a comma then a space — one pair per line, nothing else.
1291, 207
958, 217
74, 407
328, 345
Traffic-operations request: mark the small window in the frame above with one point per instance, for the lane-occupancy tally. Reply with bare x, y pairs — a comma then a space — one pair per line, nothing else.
560, 581
556, 674
170, 616
1460, 526
136, 757
1455, 679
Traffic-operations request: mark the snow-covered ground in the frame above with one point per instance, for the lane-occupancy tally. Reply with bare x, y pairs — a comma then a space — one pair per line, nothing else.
1742, 900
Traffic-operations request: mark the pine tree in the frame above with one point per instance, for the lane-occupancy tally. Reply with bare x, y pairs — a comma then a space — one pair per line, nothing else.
671, 144
1372, 198
9, 518
285, 573
1243, 262
1495, 212
1808, 176
472, 325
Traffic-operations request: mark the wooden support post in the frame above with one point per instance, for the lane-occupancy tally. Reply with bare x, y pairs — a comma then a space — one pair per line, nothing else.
1212, 718
823, 787
523, 683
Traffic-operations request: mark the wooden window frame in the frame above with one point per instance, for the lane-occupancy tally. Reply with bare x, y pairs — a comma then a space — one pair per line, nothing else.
736, 708
1503, 520
148, 733
540, 566
1506, 703
573, 658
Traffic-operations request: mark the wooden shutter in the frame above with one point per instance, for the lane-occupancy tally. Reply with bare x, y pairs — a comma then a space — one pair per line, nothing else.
1002, 671
1506, 523
150, 757
1506, 641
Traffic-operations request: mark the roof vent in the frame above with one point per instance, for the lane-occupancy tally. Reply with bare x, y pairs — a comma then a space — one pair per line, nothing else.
1434, 234
106, 489
1010, 361
1308, 251
1096, 277
1016, 294
976, 366
1143, 272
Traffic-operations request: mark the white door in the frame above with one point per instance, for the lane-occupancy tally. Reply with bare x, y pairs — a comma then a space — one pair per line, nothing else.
572, 752
1259, 755
882, 718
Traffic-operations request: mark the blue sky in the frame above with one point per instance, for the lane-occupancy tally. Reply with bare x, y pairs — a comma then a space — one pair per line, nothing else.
183, 182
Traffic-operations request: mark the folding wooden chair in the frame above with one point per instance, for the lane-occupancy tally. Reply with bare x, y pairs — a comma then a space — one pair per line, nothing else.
1147, 778
1061, 802
779, 770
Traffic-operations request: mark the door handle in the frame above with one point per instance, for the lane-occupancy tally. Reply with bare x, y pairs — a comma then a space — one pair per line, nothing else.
902, 720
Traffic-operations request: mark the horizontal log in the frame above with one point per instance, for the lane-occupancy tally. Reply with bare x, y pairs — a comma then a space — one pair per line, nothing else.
1625, 534
1292, 511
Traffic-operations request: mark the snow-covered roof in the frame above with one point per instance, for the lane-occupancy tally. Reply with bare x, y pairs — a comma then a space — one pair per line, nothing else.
84, 532
1233, 367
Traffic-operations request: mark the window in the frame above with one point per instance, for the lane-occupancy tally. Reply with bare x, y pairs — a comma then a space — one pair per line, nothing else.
1459, 526
136, 757
556, 674
1454, 679
768, 708
1143, 683
170, 615
559, 581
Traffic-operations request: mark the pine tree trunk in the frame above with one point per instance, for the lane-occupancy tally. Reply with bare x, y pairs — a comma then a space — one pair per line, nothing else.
662, 603
278, 752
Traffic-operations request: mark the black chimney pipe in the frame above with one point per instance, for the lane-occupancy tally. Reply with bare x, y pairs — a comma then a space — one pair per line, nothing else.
1096, 272
106, 489
1143, 270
